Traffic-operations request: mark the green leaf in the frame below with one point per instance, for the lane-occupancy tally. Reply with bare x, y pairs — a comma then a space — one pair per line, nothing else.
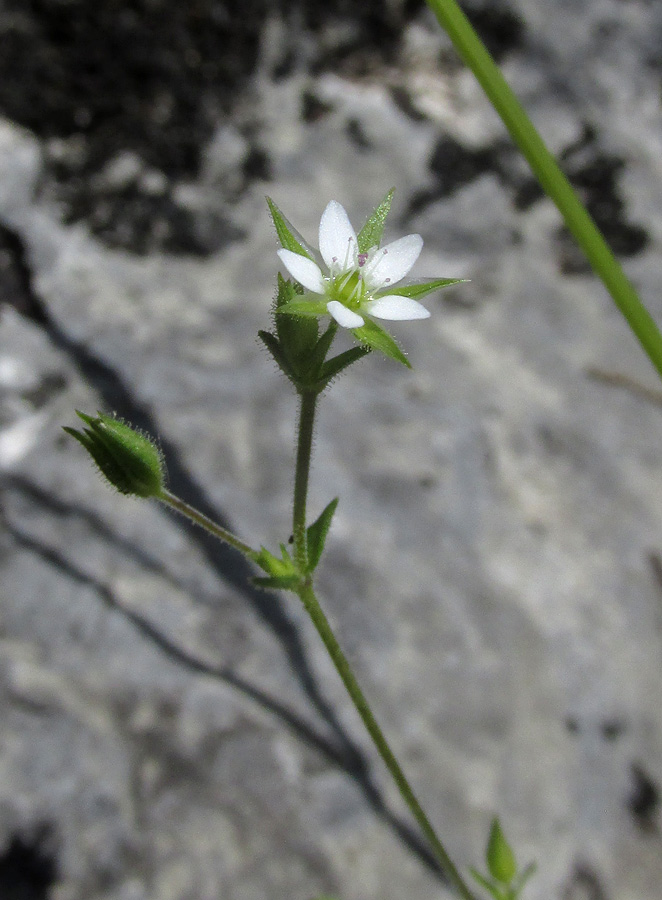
272, 565
420, 289
304, 308
335, 366
278, 583
286, 290
371, 233
375, 337
499, 855
275, 347
489, 887
288, 236
321, 348
297, 335
316, 535
521, 880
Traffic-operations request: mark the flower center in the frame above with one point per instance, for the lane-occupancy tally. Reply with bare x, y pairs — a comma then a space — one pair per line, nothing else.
349, 288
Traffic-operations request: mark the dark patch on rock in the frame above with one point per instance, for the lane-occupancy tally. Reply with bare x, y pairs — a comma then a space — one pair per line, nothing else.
403, 100
49, 386
313, 108
500, 29
142, 221
153, 79
595, 176
28, 868
16, 278
644, 799
584, 884
571, 725
612, 729
357, 135
454, 165
257, 165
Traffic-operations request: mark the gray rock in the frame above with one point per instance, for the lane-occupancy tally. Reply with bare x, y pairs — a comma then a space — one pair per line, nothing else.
494, 571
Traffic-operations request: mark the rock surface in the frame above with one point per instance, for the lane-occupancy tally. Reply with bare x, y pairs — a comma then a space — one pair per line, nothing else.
495, 567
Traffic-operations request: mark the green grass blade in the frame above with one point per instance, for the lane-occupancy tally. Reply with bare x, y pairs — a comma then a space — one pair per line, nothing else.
552, 180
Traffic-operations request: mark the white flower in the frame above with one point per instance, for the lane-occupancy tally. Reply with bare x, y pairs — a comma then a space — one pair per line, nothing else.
356, 284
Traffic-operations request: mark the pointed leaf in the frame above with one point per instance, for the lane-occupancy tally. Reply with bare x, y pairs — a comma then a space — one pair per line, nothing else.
499, 855
304, 308
420, 289
272, 565
375, 337
278, 583
321, 348
297, 335
316, 534
288, 236
286, 290
371, 233
274, 347
335, 366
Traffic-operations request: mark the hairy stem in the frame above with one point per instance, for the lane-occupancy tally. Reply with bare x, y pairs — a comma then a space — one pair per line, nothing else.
302, 473
324, 630
208, 524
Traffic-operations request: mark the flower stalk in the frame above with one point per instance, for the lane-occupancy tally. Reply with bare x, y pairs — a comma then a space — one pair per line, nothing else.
301, 476
205, 522
321, 623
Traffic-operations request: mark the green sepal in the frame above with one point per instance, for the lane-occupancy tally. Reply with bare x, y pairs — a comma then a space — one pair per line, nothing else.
322, 347
278, 583
288, 236
274, 347
297, 336
316, 534
375, 337
308, 308
282, 574
371, 233
420, 289
335, 366
129, 460
499, 855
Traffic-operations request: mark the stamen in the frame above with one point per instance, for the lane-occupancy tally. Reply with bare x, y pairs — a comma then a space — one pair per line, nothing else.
350, 241
363, 258
343, 283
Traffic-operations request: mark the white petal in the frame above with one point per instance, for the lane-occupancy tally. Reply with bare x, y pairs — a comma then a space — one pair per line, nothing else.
303, 270
337, 238
344, 316
391, 263
396, 308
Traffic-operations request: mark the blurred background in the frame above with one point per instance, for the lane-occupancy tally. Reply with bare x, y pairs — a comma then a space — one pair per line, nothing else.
494, 571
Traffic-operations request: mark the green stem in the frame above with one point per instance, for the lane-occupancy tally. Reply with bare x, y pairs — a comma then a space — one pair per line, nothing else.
552, 180
324, 630
200, 519
302, 473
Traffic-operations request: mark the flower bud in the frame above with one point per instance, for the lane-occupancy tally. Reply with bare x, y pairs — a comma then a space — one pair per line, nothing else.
129, 460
